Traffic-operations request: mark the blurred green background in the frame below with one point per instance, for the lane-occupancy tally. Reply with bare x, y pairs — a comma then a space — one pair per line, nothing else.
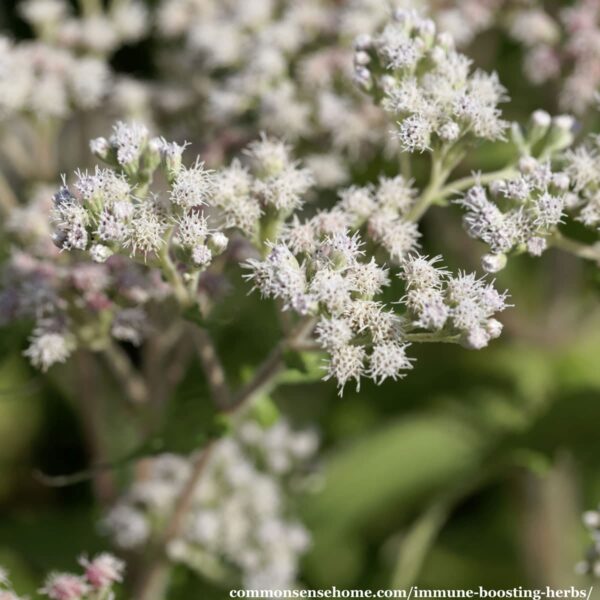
474, 470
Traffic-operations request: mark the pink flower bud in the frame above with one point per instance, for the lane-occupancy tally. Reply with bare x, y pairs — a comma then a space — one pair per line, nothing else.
103, 570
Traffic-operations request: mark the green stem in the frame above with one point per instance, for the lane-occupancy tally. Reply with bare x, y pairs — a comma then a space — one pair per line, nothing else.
575, 247
172, 275
405, 166
439, 174
8, 198
437, 337
464, 183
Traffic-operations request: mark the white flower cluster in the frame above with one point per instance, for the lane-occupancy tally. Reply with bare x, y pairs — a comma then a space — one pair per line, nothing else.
582, 165
109, 211
240, 518
327, 277
463, 20
427, 85
524, 211
462, 306
382, 210
278, 67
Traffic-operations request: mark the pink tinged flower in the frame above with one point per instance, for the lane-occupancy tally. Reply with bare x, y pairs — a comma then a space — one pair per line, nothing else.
64, 586
103, 570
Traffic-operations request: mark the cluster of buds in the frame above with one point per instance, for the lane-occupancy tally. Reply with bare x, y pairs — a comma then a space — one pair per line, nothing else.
418, 77
239, 521
524, 211
100, 574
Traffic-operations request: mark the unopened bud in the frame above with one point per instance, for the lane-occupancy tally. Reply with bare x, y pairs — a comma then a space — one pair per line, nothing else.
492, 263
218, 242
100, 148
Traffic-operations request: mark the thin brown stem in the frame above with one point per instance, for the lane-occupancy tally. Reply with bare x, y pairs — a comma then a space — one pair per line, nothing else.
212, 367
130, 380
272, 365
155, 579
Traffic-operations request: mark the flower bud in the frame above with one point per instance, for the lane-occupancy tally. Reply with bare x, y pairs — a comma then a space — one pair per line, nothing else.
100, 253
492, 263
536, 246
494, 328
540, 118
218, 242
539, 125
363, 42
561, 133
476, 339
362, 77
361, 58
201, 255
100, 148
527, 164
152, 156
